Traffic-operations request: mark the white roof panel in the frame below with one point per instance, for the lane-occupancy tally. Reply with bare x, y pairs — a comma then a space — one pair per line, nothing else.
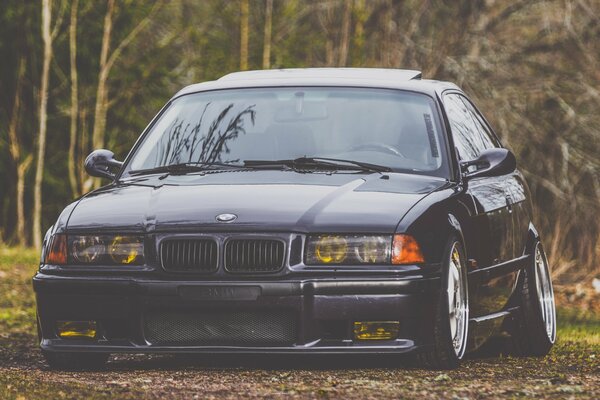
325, 73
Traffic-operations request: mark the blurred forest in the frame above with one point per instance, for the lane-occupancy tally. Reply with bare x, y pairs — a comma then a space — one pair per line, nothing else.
79, 75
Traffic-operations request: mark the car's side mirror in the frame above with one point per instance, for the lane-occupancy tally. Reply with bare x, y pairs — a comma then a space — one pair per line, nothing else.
100, 162
491, 162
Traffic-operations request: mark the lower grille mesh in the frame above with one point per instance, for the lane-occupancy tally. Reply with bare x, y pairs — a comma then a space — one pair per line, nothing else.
224, 328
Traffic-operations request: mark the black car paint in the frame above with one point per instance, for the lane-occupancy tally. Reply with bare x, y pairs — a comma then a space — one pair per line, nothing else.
491, 216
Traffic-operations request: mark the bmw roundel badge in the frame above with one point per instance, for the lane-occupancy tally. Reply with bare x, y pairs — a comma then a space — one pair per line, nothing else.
226, 217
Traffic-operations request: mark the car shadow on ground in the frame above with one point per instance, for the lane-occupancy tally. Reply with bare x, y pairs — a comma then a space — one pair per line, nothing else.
268, 362
491, 351
277, 361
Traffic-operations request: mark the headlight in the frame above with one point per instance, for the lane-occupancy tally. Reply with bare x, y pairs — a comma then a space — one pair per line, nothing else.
86, 249
106, 249
126, 249
348, 249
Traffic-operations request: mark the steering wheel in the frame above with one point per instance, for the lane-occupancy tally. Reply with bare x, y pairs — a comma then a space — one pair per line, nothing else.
378, 146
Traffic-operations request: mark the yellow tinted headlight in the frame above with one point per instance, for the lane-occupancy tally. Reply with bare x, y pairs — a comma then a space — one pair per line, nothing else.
348, 249
331, 249
106, 249
126, 249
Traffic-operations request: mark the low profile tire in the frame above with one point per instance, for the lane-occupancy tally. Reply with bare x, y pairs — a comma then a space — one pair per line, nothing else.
452, 314
75, 361
535, 330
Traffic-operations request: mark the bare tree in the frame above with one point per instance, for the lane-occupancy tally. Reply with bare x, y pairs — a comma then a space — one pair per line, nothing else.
106, 64
326, 17
21, 164
266, 64
358, 42
101, 90
345, 39
244, 16
43, 117
74, 112
388, 28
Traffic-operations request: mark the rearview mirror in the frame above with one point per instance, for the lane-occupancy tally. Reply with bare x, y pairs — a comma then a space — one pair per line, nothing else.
491, 162
100, 162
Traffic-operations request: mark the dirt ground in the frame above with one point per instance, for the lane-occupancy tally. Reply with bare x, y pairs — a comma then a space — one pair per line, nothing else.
572, 370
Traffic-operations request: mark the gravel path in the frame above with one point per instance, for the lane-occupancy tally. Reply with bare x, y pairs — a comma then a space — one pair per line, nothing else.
572, 370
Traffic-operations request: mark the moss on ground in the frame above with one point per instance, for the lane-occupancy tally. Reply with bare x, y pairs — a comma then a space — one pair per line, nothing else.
572, 370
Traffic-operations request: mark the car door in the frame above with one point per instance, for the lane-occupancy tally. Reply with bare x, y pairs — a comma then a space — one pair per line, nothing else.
515, 191
491, 227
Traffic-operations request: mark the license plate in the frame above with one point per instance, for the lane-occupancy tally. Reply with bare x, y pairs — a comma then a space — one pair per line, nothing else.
220, 292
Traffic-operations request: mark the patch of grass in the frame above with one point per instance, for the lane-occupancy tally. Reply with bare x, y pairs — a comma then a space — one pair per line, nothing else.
17, 301
14, 384
578, 326
16, 257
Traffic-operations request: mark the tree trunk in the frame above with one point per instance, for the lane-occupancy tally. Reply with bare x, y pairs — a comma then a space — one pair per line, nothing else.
244, 16
344, 42
327, 17
74, 99
358, 41
15, 153
106, 63
267, 38
21, 171
84, 143
41, 150
101, 108
101, 91
387, 34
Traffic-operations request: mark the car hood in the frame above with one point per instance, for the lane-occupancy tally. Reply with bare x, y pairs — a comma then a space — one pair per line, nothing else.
262, 201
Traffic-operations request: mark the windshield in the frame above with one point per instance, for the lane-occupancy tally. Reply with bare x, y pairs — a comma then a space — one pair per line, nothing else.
390, 128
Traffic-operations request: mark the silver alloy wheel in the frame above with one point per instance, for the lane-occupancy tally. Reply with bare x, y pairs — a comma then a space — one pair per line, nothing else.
458, 302
545, 293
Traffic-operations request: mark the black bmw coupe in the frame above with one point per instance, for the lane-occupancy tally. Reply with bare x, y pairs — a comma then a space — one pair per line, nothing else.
300, 211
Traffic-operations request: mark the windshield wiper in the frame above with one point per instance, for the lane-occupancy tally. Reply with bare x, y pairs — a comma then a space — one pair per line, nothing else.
184, 168
319, 163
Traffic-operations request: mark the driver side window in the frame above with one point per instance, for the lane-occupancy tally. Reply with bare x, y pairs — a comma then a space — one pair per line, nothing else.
470, 135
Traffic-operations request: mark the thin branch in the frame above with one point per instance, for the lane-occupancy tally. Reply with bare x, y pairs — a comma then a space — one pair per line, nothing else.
59, 19
129, 38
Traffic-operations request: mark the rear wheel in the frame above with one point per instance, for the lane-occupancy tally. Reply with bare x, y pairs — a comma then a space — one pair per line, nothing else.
535, 330
452, 315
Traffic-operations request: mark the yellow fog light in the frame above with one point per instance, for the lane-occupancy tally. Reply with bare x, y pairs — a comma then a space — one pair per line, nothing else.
331, 249
376, 330
76, 329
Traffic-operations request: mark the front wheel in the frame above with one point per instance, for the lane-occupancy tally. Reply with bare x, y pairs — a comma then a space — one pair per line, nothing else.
452, 315
535, 331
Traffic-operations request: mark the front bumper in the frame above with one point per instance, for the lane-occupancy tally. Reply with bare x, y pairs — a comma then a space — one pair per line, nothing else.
324, 311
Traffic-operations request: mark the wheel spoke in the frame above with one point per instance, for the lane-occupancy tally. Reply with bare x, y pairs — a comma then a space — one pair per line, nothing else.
545, 293
457, 302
